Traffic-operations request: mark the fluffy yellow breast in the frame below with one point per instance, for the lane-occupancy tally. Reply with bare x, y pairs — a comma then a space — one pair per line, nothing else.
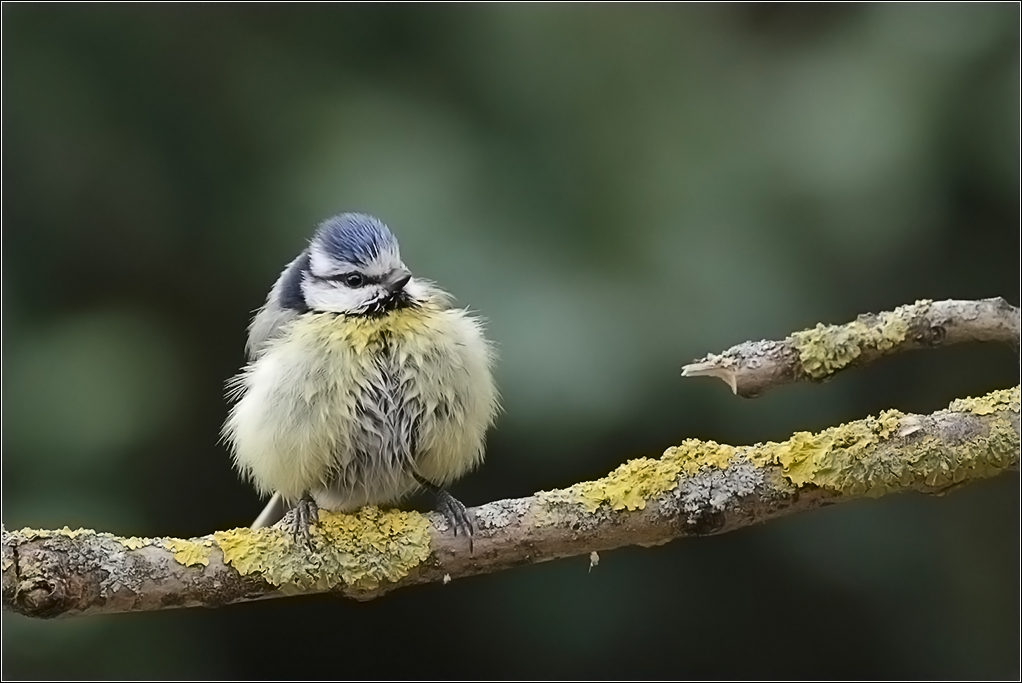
407, 327
340, 406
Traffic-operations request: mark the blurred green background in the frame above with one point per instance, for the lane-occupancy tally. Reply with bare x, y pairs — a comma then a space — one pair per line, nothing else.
618, 190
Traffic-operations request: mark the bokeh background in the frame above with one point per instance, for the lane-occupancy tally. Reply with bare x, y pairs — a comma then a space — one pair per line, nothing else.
618, 190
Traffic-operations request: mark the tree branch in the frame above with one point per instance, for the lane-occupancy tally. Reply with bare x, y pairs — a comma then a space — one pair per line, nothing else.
819, 353
695, 488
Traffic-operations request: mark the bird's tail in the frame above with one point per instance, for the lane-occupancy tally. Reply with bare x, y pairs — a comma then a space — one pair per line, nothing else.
272, 513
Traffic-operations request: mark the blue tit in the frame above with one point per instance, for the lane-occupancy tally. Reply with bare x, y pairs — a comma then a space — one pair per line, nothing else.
363, 384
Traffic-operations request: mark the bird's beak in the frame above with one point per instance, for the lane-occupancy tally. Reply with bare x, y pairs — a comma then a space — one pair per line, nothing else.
397, 279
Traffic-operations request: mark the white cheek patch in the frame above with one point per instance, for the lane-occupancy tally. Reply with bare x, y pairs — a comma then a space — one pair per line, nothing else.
417, 289
337, 298
426, 291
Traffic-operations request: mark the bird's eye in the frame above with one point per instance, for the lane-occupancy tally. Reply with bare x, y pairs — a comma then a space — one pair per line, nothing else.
354, 280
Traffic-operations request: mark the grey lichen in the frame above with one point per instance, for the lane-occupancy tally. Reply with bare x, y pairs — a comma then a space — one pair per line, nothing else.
718, 489
120, 568
501, 513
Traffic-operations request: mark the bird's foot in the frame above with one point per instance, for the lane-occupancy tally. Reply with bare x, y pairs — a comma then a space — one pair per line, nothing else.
453, 510
299, 519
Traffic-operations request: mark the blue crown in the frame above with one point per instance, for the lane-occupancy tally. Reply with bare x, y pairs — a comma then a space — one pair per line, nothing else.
355, 238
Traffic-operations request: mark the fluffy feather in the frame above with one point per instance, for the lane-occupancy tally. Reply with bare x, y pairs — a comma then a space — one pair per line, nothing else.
349, 407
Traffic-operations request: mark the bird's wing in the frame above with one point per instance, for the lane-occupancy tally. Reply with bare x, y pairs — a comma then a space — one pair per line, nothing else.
283, 304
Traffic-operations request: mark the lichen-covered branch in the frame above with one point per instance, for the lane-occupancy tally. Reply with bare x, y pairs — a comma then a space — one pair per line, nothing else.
695, 488
818, 353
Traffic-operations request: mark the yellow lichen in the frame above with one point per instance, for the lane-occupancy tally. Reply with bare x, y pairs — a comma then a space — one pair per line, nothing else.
852, 458
75, 533
188, 552
626, 488
992, 402
825, 349
134, 542
844, 458
888, 423
632, 484
694, 455
30, 534
360, 550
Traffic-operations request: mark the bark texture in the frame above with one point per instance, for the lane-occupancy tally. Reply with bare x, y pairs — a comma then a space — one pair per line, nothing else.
695, 488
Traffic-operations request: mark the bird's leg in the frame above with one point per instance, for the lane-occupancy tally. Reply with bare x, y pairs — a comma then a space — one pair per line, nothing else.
453, 510
299, 519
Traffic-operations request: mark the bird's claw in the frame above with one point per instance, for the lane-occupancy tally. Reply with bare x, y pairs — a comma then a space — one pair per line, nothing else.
298, 521
453, 510
456, 514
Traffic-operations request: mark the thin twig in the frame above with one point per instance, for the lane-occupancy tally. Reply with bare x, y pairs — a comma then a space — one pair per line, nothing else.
818, 353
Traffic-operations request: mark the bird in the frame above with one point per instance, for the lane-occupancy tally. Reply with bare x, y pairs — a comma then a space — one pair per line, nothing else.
363, 384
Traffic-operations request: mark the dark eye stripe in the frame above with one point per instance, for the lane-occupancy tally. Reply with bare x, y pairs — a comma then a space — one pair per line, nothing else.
341, 277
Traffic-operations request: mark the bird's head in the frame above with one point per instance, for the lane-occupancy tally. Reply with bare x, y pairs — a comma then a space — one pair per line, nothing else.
352, 266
